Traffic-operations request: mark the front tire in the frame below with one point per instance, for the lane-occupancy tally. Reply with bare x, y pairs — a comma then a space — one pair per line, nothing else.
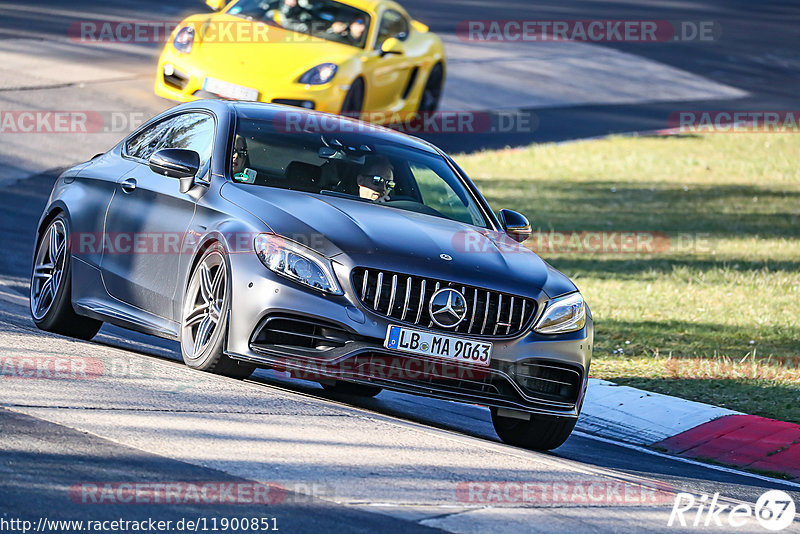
539, 433
204, 319
51, 285
353, 103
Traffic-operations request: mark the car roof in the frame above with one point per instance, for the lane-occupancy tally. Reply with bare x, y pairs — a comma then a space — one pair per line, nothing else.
329, 122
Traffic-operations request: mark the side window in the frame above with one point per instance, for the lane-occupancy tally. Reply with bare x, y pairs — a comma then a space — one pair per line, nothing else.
438, 194
146, 142
393, 24
192, 131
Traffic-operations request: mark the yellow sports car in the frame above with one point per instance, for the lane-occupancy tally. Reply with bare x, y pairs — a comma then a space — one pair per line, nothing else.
349, 56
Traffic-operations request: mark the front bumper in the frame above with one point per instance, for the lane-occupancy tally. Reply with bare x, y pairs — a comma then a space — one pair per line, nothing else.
278, 324
185, 84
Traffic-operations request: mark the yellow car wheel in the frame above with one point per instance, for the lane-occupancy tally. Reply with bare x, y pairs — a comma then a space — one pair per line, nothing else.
354, 99
432, 93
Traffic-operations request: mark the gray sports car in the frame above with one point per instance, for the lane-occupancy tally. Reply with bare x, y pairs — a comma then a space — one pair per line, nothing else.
337, 251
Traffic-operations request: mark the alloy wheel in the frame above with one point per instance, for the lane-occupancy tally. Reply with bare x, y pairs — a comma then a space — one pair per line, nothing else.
48, 269
204, 303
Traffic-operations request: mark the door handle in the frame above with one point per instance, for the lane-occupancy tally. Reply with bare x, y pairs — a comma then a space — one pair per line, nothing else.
128, 185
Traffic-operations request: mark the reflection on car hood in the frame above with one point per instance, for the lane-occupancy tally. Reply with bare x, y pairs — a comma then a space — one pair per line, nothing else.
398, 240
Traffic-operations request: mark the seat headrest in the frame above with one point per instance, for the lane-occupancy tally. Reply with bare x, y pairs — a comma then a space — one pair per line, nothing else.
303, 177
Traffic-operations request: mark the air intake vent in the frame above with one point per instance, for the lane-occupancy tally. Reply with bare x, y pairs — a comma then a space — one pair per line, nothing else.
548, 380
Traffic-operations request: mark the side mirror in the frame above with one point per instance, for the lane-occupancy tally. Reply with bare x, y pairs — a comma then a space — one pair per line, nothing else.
420, 27
216, 5
177, 163
516, 225
391, 46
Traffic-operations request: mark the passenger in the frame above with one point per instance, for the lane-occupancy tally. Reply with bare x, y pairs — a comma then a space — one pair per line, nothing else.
239, 161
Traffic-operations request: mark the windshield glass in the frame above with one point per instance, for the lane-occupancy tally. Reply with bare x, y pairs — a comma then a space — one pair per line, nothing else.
320, 18
353, 166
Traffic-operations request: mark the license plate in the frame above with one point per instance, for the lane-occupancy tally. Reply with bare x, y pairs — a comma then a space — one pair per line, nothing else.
230, 90
446, 347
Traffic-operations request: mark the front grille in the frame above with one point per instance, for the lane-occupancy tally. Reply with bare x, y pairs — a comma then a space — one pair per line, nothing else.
548, 380
405, 298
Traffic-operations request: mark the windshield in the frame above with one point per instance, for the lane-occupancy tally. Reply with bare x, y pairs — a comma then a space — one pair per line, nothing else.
326, 19
353, 166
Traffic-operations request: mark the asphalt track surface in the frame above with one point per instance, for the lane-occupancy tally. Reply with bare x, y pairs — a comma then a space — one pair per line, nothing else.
386, 464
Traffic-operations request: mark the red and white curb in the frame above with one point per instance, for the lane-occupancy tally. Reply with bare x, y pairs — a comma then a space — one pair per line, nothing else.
691, 429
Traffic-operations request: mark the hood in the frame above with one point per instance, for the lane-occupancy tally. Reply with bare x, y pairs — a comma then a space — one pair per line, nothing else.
358, 233
266, 53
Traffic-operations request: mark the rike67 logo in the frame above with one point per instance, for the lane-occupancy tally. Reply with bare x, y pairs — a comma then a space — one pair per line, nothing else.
775, 511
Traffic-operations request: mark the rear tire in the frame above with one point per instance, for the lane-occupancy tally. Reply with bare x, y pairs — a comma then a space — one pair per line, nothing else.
539, 433
204, 319
51, 285
351, 388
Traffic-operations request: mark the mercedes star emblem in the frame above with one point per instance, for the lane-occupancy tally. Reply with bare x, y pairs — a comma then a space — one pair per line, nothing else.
447, 307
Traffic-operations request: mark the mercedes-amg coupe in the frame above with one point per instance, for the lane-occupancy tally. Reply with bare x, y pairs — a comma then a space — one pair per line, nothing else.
338, 251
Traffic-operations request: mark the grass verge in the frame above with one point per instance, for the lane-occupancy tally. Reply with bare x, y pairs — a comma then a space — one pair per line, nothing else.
696, 289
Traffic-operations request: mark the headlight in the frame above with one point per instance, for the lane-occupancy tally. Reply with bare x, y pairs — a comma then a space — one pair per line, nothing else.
184, 39
562, 315
297, 262
320, 74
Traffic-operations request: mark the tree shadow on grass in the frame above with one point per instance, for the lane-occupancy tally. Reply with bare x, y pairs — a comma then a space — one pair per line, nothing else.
779, 345
716, 210
656, 266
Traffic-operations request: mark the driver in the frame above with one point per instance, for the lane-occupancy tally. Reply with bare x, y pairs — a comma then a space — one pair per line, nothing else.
376, 179
295, 15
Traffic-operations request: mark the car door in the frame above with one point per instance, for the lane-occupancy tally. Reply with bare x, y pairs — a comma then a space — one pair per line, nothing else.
148, 217
389, 73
